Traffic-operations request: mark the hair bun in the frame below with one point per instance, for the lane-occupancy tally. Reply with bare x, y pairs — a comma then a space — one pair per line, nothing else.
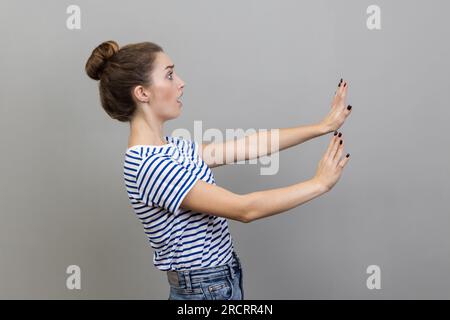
99, 56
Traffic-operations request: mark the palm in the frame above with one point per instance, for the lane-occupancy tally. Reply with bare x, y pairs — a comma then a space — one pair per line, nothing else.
338, 113
339, 100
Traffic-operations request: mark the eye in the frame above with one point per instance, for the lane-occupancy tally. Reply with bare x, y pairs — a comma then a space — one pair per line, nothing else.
170, 75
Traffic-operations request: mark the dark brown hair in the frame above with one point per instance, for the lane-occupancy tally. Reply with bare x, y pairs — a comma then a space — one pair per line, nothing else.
119, 71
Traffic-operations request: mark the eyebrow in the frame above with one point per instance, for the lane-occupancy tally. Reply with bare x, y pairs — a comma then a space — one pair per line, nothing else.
172, 66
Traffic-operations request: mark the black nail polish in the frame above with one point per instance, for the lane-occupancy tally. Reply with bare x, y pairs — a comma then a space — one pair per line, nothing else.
340, 142
348, 155
340, 134
349, 107
345, 84
335, 133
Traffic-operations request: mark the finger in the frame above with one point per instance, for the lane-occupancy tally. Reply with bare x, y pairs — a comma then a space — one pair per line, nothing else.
330, 146
344, 161
340, 87
348, 110
339, 152
335, 99
334, 148
339, 92
344, 89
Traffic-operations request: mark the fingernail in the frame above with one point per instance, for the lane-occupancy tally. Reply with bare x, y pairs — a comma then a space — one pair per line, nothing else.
340, 142
349, 107
348, 155
335, 133
340, 134
345, 84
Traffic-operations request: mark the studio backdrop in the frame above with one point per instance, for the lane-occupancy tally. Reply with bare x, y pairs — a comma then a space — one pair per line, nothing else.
381, 233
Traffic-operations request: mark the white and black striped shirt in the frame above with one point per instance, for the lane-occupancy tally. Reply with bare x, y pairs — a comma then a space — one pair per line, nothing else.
157, 178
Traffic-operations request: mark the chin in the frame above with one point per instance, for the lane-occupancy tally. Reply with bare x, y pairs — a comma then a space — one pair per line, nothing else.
175, 115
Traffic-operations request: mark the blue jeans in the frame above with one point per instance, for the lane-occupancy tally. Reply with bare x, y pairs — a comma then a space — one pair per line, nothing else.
214, 283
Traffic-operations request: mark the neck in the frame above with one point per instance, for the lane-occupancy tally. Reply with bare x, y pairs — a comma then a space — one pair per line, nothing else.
146, 131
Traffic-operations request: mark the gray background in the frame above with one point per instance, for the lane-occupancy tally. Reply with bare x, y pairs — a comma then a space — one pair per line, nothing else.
246, 64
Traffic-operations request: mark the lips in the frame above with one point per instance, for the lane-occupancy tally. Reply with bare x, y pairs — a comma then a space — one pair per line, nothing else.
178, 99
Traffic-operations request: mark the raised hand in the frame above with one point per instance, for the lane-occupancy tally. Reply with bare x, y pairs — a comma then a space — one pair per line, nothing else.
339, 109
331, 166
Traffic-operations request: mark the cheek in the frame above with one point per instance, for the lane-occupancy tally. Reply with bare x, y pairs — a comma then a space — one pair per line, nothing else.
163, 91
166, 93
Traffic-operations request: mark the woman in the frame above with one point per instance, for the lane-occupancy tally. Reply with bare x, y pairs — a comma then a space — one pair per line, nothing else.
169, 181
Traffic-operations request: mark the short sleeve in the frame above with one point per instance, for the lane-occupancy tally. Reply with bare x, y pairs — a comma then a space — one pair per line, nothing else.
164, 182
195, 147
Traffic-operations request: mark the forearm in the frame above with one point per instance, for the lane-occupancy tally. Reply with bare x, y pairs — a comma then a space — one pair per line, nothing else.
267, 142
289, 137
262, 204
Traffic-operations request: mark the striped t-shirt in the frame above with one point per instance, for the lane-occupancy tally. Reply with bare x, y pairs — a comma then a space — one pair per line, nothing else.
157, 178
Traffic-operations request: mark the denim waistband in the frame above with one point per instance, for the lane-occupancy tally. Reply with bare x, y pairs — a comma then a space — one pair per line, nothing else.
185, 278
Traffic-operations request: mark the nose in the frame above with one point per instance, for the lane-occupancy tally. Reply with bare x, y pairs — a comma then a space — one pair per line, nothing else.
181, 82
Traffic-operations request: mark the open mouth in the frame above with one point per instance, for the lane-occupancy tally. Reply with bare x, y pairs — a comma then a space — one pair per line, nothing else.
179, 99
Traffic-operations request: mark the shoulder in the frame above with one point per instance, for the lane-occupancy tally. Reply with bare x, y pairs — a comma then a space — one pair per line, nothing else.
189, 146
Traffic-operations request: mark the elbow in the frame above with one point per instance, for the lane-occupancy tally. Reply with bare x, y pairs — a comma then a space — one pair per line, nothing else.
248, 209
245, 219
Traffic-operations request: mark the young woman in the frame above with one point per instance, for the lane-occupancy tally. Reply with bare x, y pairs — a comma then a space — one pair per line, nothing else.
169, 181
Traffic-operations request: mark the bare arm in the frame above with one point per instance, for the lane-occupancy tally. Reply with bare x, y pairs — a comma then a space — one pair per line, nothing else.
258, 144
214, 200
270, 202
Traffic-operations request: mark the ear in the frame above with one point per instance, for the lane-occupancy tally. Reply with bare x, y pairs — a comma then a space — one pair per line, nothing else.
141, 94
